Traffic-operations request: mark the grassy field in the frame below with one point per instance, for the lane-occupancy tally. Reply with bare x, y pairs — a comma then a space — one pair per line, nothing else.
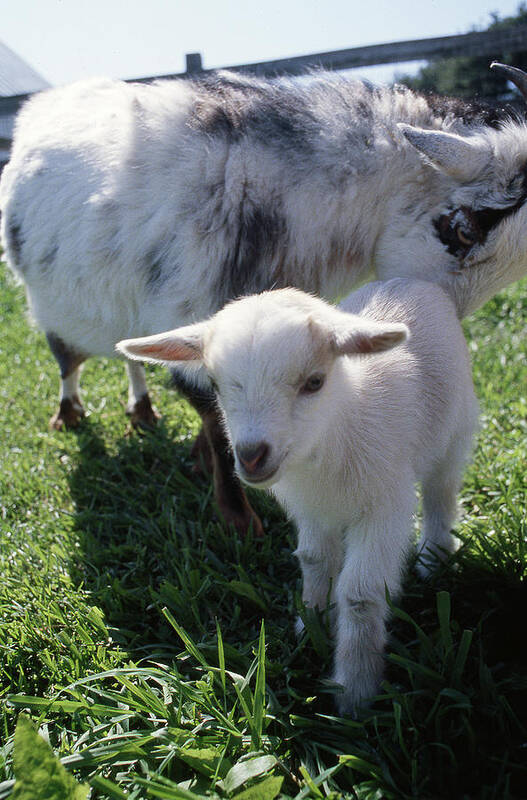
156, 651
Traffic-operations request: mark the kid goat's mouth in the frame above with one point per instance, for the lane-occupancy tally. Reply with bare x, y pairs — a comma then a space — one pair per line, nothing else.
263, 479
258, 480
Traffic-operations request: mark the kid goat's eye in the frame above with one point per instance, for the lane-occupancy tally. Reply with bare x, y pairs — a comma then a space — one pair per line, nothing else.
313, 384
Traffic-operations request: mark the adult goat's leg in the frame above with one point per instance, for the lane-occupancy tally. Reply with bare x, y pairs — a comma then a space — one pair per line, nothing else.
70, 410
214, 445
139, 408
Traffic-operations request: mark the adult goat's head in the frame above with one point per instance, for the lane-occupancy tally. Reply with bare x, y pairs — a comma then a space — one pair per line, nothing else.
480, 220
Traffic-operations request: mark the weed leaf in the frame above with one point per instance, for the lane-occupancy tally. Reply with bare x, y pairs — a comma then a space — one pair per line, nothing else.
39, 774
267, 789
246, 770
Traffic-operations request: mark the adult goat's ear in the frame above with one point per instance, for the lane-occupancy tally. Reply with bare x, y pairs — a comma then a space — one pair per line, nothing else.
461, 157
366, 336
181, 344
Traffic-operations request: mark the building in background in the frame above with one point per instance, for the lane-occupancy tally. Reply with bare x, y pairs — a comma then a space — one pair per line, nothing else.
16, 77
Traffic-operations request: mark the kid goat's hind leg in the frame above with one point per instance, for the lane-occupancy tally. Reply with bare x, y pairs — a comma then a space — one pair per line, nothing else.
69, 360
440, 491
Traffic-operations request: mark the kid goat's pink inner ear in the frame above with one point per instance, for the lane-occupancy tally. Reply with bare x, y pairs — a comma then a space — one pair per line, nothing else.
167, 351
363, 342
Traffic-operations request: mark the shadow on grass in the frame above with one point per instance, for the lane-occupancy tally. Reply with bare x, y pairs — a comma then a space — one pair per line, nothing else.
445, 724
150, 537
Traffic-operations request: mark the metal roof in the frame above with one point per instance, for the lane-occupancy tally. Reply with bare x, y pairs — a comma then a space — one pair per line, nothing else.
17, 77
7, 123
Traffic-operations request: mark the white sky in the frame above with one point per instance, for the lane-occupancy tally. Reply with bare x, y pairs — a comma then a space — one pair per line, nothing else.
69, 39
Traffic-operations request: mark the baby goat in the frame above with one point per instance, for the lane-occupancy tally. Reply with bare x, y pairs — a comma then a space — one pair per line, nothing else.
319, 407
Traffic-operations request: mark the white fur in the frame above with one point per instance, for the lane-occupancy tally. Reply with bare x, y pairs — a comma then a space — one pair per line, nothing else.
344, 460
108, 179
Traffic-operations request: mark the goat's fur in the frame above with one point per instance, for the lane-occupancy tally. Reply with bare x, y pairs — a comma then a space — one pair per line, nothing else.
343, 460
129, 209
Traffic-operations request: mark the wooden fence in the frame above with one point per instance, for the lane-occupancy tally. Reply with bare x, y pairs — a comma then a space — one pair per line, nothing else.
493, 44
485, 43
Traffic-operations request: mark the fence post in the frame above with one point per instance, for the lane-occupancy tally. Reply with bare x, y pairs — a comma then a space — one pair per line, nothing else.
193, 62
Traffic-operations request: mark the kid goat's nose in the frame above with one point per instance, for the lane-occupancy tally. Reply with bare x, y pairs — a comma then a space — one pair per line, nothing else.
252, 456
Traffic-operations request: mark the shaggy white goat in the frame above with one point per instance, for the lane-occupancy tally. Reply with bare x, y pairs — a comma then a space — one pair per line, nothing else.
319, 407
129, 209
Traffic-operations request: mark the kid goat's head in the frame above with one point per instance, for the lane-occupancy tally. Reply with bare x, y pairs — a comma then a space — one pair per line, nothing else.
271, 359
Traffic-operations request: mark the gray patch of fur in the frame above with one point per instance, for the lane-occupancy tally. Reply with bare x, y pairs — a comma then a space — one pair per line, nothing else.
15, 242
48, 259
261, 237
67, 358
268, 112
154, 271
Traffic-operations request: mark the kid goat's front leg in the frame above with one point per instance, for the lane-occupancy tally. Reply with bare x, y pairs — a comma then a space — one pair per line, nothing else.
320, 555
374, 557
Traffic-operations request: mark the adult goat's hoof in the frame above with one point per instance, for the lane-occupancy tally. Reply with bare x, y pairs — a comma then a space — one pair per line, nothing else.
69, 415
142, 414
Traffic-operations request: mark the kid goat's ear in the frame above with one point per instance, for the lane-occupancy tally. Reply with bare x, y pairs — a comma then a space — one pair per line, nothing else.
181, 344
365, 336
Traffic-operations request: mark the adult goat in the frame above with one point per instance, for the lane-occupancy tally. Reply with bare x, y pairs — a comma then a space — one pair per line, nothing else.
128, 209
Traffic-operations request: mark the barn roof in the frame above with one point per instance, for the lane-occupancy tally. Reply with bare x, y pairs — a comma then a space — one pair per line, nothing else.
17, 77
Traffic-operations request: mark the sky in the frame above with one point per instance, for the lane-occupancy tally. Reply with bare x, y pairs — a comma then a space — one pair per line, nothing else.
65, 40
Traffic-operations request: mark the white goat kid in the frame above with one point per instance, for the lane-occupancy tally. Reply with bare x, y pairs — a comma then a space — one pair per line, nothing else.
341, 439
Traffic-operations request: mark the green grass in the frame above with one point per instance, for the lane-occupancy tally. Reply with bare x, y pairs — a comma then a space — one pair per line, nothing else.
156, 650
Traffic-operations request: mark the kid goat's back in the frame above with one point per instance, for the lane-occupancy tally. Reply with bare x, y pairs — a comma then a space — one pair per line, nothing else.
342, 411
